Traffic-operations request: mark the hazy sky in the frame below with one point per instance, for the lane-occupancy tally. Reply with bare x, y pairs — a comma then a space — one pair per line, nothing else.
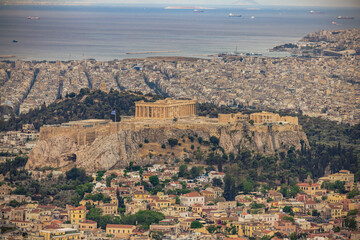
320, 3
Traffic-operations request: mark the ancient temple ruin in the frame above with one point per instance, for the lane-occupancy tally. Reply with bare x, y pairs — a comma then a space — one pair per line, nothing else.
165, 109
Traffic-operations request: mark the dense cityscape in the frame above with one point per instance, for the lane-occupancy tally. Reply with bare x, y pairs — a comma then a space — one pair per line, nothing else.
318, 86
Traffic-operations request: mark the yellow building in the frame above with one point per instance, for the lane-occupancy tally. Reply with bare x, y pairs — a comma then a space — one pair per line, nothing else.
197, 208
343, 176
180, 208
78, 214
160, 204
209, 196
60, 234
88, 225
120, 231
336, 198
249, 229
140, 196
311, 189
108, 208
254, 229
89, 201
336, 212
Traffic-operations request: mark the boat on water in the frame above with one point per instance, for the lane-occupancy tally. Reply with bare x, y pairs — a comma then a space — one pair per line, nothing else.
234, 15
334, 23
343, 17
14, 41
316, 12
198, 11
33, 18
252, 17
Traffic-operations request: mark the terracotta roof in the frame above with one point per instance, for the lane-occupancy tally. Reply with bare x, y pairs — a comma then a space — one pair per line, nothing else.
192, 194
79, 208
88, 222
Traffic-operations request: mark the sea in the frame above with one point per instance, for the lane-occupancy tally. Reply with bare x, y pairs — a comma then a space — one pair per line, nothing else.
107, 33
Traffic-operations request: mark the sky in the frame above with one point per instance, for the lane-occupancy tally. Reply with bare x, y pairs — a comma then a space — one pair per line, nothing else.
319, 3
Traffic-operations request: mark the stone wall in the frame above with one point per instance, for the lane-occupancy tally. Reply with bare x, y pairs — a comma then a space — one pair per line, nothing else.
114, 145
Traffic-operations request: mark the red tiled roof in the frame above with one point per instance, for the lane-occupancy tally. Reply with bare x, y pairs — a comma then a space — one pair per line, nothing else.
192, 194
79, 208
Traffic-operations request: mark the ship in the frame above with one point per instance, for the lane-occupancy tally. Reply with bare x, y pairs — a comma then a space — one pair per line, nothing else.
342, 17
316, 12
33, 18
198, 11
234, 15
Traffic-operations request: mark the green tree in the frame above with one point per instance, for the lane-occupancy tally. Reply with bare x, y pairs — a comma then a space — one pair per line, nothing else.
288, 218
350, 223
172, 142
353, 193
248, 187
196, 224
14, 203
293, 236
78, 174
217, 182
195, 171
214, 140
211, 229
287, 209
229, 188
154, 180
182, 170
144, 218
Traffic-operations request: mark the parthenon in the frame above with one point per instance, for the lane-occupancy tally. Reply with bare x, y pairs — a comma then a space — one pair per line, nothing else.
165, 109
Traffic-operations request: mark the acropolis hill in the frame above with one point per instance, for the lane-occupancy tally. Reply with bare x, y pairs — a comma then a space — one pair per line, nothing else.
103, 144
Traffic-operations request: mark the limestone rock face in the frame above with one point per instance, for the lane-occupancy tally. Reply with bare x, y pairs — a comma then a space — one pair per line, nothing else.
119, 148
57, 152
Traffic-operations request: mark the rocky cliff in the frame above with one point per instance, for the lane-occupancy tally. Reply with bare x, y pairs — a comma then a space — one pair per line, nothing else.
142, 144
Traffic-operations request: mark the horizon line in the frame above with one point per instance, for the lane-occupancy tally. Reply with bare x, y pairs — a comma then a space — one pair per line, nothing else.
166, 5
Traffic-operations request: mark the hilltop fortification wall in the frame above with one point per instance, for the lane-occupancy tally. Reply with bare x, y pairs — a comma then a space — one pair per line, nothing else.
111, 145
